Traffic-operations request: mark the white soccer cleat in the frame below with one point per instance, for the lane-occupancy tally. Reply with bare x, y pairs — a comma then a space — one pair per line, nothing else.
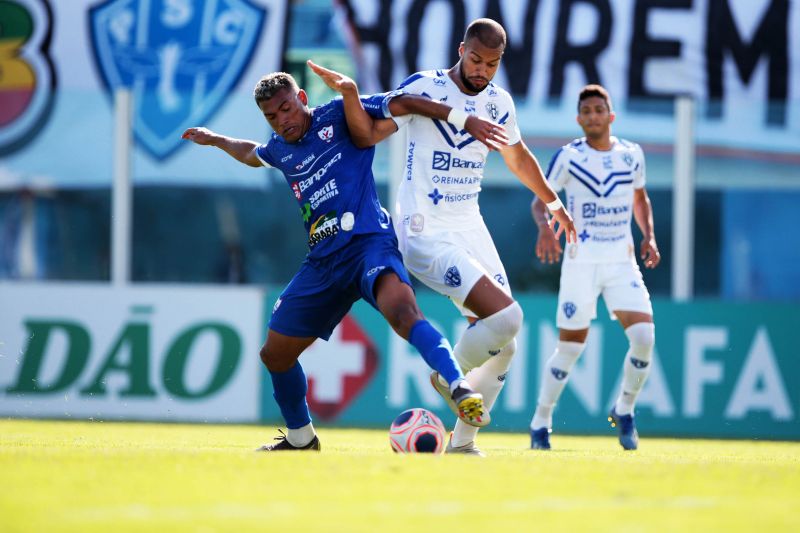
467, 449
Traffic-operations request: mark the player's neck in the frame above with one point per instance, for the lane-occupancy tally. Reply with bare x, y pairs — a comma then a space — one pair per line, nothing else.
307, 122
455, 74
601, 144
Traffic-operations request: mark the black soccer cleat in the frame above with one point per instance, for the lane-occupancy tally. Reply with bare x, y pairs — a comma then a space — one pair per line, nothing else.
628, 436
283, 445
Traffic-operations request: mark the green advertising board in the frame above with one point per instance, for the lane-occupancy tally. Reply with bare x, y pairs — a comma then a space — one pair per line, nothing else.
720, 370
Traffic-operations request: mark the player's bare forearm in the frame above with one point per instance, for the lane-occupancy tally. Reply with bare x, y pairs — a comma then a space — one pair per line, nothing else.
241, 150
364, 130
643, 213
412, 104
524, 165
491, 134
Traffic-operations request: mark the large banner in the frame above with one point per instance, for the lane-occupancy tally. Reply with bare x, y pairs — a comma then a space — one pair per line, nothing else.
186, 63
740, 60
719, 369
149, 353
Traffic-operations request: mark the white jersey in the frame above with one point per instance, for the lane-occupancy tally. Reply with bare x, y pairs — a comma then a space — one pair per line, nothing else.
443, 166
599, 188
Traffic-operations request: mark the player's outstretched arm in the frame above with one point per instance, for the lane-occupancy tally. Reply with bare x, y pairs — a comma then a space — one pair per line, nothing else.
241, 150
491, 134
365, 131
643, 213
548, 247
525, 166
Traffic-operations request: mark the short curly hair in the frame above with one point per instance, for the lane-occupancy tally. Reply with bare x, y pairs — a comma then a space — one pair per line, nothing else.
270, 84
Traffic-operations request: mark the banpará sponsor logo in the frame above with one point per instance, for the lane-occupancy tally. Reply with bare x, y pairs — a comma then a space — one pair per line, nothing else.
316, 176
445, 161
441, 160
591, 210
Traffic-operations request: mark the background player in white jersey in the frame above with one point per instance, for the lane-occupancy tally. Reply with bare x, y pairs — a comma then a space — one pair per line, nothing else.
441, 232
604, 179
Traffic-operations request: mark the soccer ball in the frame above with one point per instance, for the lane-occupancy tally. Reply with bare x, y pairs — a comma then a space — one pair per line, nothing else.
417, 431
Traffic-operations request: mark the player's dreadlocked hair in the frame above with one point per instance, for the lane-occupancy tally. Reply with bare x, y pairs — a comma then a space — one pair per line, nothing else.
270, 84
594, 90
490, 33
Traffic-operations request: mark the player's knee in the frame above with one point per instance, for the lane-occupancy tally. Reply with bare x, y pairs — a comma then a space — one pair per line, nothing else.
642, 338
402, 316
506, 323
273, 361
564, 358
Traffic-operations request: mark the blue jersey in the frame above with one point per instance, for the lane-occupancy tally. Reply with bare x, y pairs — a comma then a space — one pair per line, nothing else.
331, 178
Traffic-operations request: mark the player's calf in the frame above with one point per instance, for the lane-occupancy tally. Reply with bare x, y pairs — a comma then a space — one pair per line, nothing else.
637, 365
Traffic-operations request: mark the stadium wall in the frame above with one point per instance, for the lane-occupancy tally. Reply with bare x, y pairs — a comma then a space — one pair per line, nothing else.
190, 353
720, 370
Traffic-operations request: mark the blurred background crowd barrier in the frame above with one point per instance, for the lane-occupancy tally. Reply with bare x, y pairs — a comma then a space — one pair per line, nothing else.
201, 224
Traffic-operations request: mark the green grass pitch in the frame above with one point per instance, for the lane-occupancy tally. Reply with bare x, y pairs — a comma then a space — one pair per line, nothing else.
101, 476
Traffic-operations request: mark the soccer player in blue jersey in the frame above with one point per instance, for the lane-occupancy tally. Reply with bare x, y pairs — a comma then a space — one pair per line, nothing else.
352, 246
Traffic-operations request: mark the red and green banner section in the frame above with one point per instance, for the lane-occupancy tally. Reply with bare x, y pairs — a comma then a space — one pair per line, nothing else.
719, 370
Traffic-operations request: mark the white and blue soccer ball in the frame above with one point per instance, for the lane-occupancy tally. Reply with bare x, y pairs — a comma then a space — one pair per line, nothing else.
417, 430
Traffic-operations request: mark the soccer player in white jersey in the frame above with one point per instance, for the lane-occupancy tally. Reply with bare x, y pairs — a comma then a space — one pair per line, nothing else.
603, 178
440, 230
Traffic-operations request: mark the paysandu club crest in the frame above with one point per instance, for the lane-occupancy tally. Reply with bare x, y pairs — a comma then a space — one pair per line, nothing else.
180, 58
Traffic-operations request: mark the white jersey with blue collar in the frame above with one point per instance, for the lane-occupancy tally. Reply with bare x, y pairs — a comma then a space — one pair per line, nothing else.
599, 192
444, 166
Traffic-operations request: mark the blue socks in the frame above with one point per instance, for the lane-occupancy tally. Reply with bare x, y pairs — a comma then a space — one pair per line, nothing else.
290, 392
435, 350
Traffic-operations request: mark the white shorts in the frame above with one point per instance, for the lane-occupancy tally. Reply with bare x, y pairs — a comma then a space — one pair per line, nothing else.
451, 263
621, 285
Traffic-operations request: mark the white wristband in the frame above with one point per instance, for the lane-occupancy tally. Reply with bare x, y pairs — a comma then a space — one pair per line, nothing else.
555, 205
457, 118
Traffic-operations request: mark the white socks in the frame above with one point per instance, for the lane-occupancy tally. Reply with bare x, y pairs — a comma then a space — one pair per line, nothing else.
488, 379
301, 436
553, 381
642, 337
486, 337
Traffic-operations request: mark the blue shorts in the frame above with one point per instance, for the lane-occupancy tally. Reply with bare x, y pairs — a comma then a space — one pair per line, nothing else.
322, 292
